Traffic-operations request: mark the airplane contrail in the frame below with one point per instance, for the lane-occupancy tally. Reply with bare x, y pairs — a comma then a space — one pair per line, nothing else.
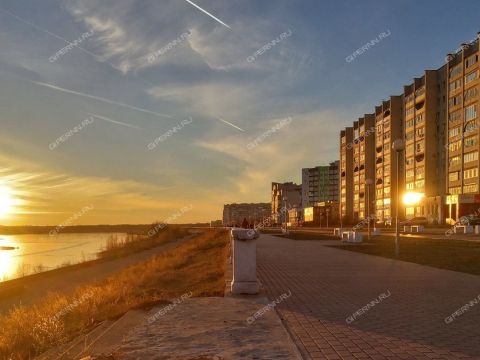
108, 101
114, 121
206, 12
235, 126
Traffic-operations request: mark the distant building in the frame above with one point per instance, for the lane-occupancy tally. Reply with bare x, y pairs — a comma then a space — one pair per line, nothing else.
320, 184
322, 214
286, 194
233, 214
216, 223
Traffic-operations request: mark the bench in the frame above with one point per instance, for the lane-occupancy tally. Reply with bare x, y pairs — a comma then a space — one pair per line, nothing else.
463, 229
352, 236
417, 228
407, 228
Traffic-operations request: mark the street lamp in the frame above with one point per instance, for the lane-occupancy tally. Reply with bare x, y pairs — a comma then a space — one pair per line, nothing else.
368, 183
285, 214
398, 146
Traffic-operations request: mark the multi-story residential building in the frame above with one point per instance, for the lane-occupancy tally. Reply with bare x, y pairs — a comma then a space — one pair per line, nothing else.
463, 123
234, 214
346, 175
424, 124
320, 184
287, 195
363, 166
389, 127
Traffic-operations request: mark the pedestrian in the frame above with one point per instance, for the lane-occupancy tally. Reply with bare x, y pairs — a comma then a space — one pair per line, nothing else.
245, 223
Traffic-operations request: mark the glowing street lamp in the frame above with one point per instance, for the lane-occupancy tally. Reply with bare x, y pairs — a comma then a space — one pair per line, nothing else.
412, 198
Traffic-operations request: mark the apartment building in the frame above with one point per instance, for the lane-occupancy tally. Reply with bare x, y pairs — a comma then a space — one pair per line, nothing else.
320, 184
363, 166
346, 176
389, 127
234, 214
284, 194
425, 127
463, 144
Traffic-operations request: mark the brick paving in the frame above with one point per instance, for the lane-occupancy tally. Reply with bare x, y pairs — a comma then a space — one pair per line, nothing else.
328, 285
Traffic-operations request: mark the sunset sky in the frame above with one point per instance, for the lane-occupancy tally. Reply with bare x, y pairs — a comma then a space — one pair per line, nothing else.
121, 91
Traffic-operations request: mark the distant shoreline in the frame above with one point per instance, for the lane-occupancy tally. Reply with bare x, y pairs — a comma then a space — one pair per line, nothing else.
121, 228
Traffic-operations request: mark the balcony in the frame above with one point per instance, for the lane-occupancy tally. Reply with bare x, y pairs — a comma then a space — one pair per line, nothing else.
420, 91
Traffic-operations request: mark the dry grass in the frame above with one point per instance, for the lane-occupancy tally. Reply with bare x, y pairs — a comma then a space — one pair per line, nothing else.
117, 247
197, 266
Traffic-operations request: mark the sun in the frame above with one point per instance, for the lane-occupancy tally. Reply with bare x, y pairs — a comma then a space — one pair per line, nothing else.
6, 201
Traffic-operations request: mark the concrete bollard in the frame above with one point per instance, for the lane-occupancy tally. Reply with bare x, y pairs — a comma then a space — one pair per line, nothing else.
244, 248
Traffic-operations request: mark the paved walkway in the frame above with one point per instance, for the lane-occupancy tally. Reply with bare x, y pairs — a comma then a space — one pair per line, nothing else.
329, 285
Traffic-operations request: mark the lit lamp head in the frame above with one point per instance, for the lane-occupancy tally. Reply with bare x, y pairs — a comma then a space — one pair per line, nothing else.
398, 145
412, 198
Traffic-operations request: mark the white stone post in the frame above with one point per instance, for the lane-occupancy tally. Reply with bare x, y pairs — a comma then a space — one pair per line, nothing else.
244, 248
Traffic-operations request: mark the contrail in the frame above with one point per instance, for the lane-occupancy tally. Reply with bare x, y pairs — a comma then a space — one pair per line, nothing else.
53, 87
114, 121
48, 32
206, 12
235, 126
68, 42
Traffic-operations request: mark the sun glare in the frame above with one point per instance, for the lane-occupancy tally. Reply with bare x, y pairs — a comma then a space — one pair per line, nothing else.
6, 201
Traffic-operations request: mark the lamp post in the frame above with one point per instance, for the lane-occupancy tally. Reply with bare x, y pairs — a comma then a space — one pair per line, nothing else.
398, 146
285, 213
368, 183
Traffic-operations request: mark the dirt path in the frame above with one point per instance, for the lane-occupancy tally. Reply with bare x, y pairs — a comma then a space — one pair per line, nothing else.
67, 279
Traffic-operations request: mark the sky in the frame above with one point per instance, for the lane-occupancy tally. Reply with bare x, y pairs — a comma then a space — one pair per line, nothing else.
161, 107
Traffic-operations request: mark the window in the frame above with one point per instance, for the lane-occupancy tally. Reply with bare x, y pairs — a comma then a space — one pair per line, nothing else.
409, 161
456, 115
386, 180
454, 176
470, 94
386, 135
410, 186
419, 184
470, 173
420, 172
471, 126
386, 190
472, 156
419, 118
420, 132
470, 77
379, 202
470, 188
470, 141
454, 132
419, 147
456, 100
455, 190
409, 136
470, 112
456, 70
410, 122
454, 160
409, 173
409, 112
455, 145
471, 60
454, 85
379, 192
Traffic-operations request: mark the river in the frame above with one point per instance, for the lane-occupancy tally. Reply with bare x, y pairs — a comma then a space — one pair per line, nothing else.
22, 255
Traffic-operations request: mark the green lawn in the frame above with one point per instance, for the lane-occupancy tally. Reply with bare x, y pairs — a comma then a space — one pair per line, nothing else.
456, 255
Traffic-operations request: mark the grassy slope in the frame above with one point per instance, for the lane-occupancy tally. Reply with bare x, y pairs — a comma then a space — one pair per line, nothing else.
197, 266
